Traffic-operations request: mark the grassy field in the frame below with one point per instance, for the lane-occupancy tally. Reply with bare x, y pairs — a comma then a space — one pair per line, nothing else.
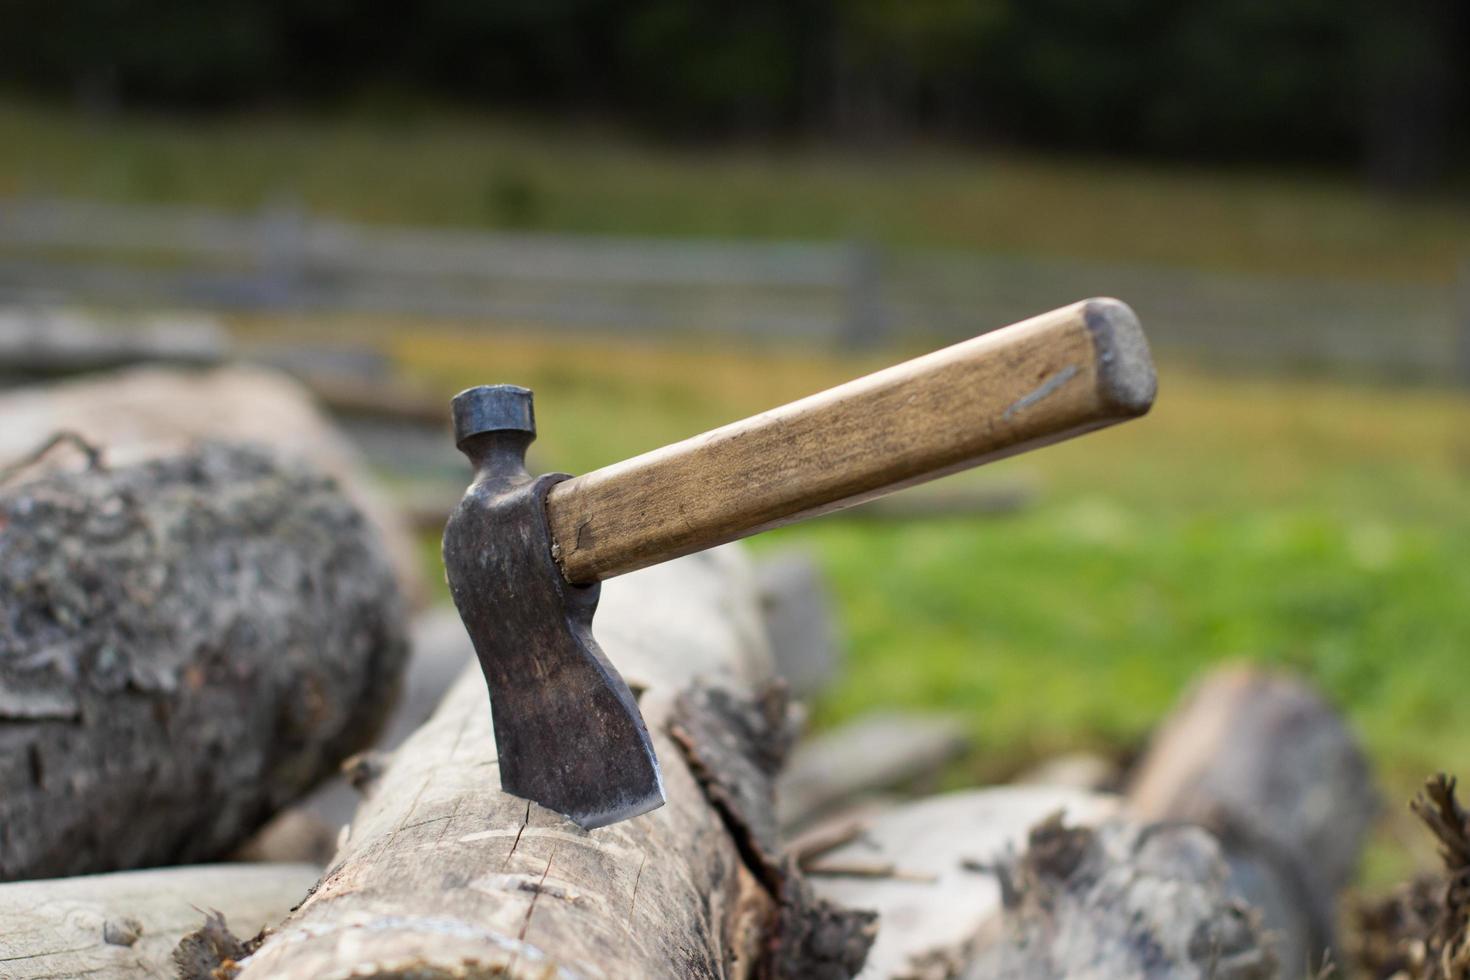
1321, 527
438, 169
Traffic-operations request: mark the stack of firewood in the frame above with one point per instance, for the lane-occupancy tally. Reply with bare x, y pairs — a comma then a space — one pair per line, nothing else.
206, 615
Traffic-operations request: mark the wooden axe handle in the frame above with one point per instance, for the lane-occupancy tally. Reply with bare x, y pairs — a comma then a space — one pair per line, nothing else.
1040, 381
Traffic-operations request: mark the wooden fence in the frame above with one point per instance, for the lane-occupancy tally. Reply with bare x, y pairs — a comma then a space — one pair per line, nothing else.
848, 294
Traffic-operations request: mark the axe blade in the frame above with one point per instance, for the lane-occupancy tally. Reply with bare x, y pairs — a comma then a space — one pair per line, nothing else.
567, 728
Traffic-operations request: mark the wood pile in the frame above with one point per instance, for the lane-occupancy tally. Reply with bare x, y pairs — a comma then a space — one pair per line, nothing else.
198, 636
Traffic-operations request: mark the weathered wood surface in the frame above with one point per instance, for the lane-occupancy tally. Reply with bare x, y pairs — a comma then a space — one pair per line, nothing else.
878, 752
1266, 764
940, 890
126, 924
1122, 900
442, 874
1037, 382
187, 645
148, 412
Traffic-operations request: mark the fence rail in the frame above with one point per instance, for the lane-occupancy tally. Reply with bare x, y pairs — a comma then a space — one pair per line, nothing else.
849, 294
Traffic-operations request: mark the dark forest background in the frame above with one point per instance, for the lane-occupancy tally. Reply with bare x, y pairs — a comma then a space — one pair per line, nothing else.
1379, 84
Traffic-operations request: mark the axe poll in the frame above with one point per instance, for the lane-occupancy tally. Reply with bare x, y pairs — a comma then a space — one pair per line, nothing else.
523, 554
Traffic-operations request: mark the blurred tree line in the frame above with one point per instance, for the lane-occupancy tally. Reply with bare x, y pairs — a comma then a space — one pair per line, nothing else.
1380, 81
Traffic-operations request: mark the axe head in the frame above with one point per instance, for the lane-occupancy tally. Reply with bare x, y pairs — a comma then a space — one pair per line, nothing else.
567, 729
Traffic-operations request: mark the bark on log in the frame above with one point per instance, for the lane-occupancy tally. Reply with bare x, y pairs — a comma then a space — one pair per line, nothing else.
442, 874
186, 645
941, 889
153, 412
1122, 900
127, 924
1261, 760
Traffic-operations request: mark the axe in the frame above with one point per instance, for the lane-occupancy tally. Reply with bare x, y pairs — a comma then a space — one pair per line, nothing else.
524, 555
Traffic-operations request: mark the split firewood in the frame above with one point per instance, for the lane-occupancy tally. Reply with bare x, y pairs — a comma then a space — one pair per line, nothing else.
127, 924
1261, 760
189, 643
1123, 899
443, 874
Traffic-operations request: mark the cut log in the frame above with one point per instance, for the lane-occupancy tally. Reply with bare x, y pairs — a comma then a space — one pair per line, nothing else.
841, 767
1079, 770
127, 924
942, 889
799, 621
1266, 764
188, 644
1122, 900
47, 342
442, 874
146, 413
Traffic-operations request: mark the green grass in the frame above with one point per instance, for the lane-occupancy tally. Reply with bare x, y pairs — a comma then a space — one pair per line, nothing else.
1317, 526
441, 169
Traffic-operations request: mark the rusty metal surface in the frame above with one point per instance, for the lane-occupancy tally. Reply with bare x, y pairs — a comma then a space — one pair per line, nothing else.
567, 728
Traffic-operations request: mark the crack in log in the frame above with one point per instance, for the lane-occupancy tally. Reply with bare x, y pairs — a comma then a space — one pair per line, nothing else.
426, 821
525, 822
637, 879
536, 894
403, 824
530, 909
449, 821
44, 952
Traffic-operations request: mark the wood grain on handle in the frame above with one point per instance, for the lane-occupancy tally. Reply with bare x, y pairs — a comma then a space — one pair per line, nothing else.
1037, 382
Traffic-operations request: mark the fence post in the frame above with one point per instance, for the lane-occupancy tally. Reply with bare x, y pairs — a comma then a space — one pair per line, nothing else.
282, 246
865, 322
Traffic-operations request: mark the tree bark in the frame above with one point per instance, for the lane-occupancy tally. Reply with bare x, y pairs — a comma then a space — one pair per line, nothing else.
1121, 900
127, 924
154, 412
186, 645
929, 869
442, 874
